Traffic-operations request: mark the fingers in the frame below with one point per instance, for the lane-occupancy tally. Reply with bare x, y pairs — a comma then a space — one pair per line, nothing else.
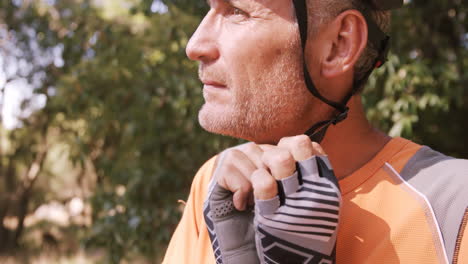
234, 169
266, 147
301, 147
265, 192
264, 185
281, 165
232, 173
242, 162
239, 186
254, 153
257, 168
318, 149
280, 162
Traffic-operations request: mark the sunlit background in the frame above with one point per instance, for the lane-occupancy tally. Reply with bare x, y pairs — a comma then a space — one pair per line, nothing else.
99, 139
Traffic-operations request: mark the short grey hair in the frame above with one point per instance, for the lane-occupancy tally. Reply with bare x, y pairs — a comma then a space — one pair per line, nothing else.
321, 11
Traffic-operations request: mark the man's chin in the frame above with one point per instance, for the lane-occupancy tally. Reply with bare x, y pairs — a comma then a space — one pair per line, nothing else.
219, 122
229, 125
211, 122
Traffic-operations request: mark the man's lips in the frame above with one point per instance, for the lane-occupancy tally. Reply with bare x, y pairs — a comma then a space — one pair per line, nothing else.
213, 84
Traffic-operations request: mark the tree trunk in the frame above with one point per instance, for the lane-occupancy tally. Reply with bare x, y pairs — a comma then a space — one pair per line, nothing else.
25, 196
9, 239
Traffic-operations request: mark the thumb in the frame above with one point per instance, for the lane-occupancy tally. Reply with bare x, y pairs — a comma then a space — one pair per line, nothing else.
240, 199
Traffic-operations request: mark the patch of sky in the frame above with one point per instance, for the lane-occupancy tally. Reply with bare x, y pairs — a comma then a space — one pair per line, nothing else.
52, 91
16, 93
57, 52
159, 7
21, 73
94, 38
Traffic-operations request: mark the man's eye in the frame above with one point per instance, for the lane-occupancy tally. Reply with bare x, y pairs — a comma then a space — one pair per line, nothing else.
238, 12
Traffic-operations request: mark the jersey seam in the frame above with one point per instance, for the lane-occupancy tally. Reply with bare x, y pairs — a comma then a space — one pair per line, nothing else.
429, 213
461, 231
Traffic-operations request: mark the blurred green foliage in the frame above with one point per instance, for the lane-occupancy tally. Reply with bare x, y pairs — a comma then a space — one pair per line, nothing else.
122, 101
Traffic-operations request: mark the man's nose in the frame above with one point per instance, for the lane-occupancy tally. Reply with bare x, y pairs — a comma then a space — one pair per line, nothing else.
203, 44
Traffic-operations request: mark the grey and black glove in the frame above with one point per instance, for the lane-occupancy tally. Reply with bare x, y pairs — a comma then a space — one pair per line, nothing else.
231, 231
300, 224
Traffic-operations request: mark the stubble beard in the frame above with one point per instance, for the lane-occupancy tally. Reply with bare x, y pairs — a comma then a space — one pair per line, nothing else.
273, 102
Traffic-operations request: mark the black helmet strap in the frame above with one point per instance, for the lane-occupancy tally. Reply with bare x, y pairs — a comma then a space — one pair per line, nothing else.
376, 37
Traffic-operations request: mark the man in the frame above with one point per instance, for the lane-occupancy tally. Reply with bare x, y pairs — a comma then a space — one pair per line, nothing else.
272, 71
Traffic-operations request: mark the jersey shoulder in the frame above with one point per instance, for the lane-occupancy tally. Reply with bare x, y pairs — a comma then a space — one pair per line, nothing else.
443, 181
436, 169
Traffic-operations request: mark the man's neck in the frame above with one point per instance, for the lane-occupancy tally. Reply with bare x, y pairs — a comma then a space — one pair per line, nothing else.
353, 142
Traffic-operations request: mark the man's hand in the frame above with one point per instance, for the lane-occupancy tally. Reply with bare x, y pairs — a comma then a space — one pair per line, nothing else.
280, 177
297, 204
229, 221
234, 170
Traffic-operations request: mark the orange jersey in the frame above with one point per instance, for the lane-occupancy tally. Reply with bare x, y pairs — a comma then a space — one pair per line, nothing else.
407, 205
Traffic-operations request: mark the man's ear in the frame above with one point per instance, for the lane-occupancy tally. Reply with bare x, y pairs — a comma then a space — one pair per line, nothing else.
346, 40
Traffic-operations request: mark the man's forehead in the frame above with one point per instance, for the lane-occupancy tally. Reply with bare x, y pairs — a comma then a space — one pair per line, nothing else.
261, 8
263, 2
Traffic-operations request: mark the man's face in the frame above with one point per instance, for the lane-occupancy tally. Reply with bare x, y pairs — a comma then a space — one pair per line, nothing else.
251, 66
